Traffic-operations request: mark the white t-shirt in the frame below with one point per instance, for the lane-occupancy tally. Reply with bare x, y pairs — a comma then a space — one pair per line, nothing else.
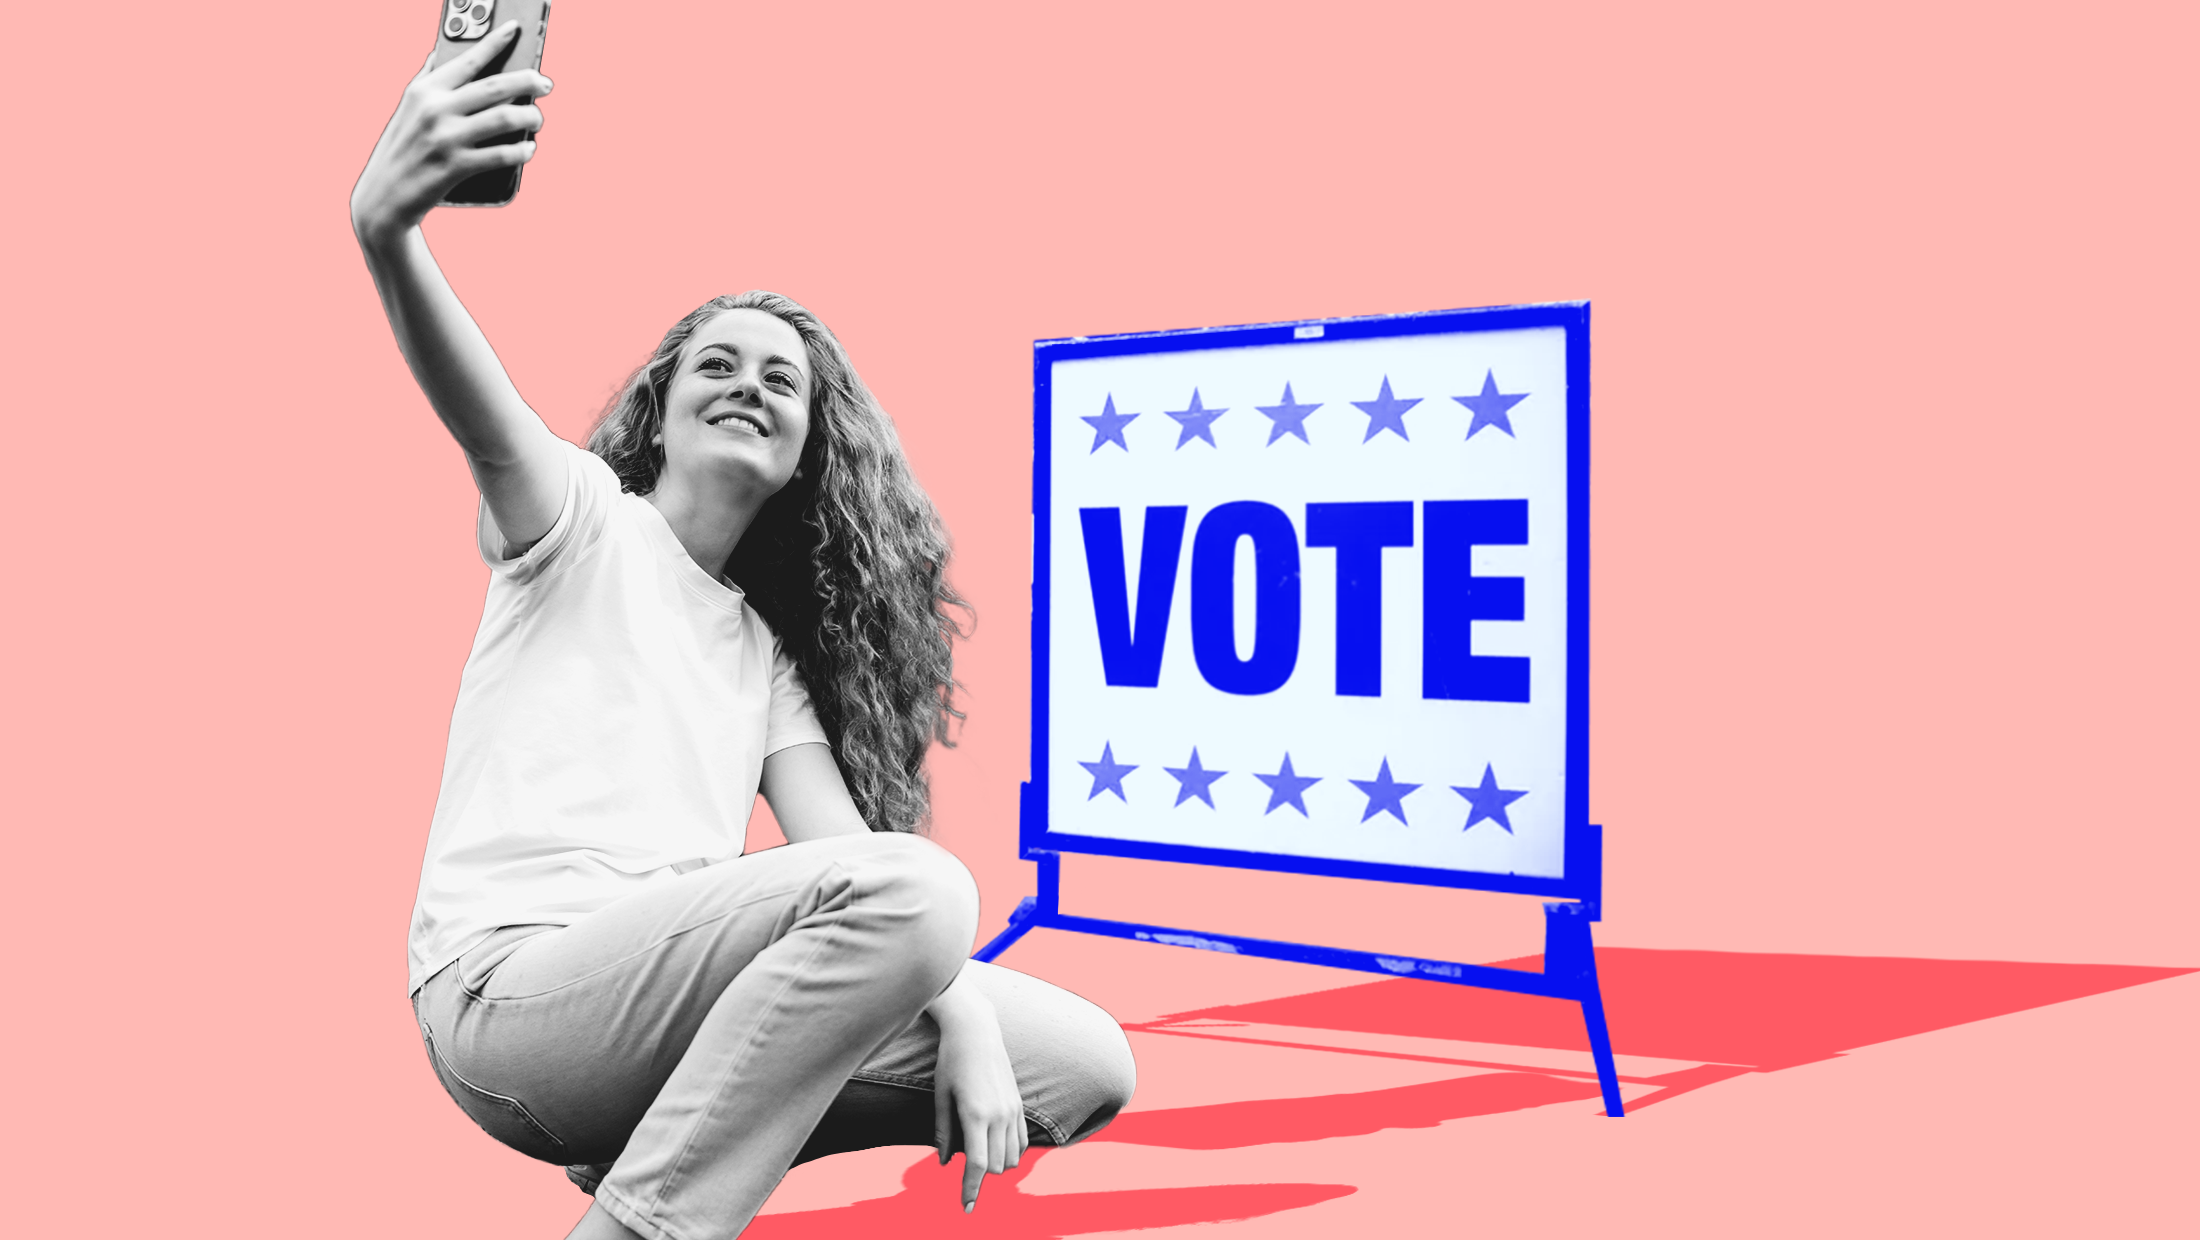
611, 726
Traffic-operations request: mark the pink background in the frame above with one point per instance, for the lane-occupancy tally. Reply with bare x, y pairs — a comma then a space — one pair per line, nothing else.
1893, 603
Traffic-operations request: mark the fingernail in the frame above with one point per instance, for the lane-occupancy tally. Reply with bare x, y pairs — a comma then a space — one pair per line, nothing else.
968, 1206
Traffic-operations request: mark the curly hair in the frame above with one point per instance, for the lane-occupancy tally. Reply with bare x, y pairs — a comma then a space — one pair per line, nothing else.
847, 563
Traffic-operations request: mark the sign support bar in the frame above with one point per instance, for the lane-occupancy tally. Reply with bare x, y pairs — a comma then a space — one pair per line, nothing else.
1569, 956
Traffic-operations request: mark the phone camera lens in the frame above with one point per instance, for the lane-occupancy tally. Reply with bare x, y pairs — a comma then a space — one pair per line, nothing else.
457, 26
481, 12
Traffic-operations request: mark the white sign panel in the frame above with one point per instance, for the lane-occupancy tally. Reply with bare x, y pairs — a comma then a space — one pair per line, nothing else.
1305, 596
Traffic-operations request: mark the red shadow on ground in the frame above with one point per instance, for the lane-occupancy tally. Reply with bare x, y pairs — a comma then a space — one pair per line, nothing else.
1764, 1012
1730, 1012
1266, 1121
930, 1204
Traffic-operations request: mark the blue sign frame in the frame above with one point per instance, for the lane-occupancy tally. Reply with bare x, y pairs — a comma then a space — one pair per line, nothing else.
1570, 969
1582, 879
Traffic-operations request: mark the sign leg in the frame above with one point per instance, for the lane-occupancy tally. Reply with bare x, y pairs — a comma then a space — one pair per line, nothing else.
1033, 910
1569, 955
1018, 922
1600, 1048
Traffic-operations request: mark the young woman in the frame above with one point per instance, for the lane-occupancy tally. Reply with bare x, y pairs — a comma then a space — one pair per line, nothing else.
737, 588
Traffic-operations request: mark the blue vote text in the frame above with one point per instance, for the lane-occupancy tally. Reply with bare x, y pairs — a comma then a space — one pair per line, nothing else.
1133, 635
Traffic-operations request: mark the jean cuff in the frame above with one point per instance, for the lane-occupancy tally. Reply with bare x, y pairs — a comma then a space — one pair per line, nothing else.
631, 1218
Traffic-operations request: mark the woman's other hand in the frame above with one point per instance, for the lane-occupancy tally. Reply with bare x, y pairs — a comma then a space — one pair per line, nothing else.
433, 140
975, 1085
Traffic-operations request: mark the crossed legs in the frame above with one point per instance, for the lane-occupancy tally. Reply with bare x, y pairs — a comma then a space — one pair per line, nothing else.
690, 1042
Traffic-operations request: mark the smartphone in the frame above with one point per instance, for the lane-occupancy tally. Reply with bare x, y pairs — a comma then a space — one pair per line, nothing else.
462, 24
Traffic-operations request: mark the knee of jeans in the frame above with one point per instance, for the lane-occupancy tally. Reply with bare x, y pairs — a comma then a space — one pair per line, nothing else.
1115, 1079
1106, 1074
939, 891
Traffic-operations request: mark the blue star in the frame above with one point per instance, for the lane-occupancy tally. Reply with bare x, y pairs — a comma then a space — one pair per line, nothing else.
1192, 781
1386, 412
1384, 794
1287, 787
1107, 426
1107, 774
1490, 406
1289, 417
1487, 800
1197, 422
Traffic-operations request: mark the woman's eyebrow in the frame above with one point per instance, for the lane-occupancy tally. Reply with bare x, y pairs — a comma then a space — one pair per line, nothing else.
773, 360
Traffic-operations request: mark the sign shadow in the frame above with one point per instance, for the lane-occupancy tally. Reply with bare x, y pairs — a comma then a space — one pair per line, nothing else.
1726, 1012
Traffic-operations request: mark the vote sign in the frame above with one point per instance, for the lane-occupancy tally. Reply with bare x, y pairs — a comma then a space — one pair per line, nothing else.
1313, 597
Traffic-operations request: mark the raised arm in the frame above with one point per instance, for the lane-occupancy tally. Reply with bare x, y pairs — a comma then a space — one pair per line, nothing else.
431, 144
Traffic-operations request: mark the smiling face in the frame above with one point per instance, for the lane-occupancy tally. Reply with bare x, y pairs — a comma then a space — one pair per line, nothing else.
737, 410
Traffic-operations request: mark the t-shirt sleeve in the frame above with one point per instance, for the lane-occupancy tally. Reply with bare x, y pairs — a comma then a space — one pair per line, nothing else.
791, 720
591, 489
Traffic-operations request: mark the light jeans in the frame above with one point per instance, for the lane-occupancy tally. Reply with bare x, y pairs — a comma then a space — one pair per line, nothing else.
705, 1033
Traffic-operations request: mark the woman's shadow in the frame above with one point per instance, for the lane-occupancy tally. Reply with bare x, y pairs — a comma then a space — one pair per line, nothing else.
1007, 1212
929, 1199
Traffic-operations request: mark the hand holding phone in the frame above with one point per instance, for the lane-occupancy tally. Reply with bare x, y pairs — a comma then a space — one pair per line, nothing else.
451, 126
467, 24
